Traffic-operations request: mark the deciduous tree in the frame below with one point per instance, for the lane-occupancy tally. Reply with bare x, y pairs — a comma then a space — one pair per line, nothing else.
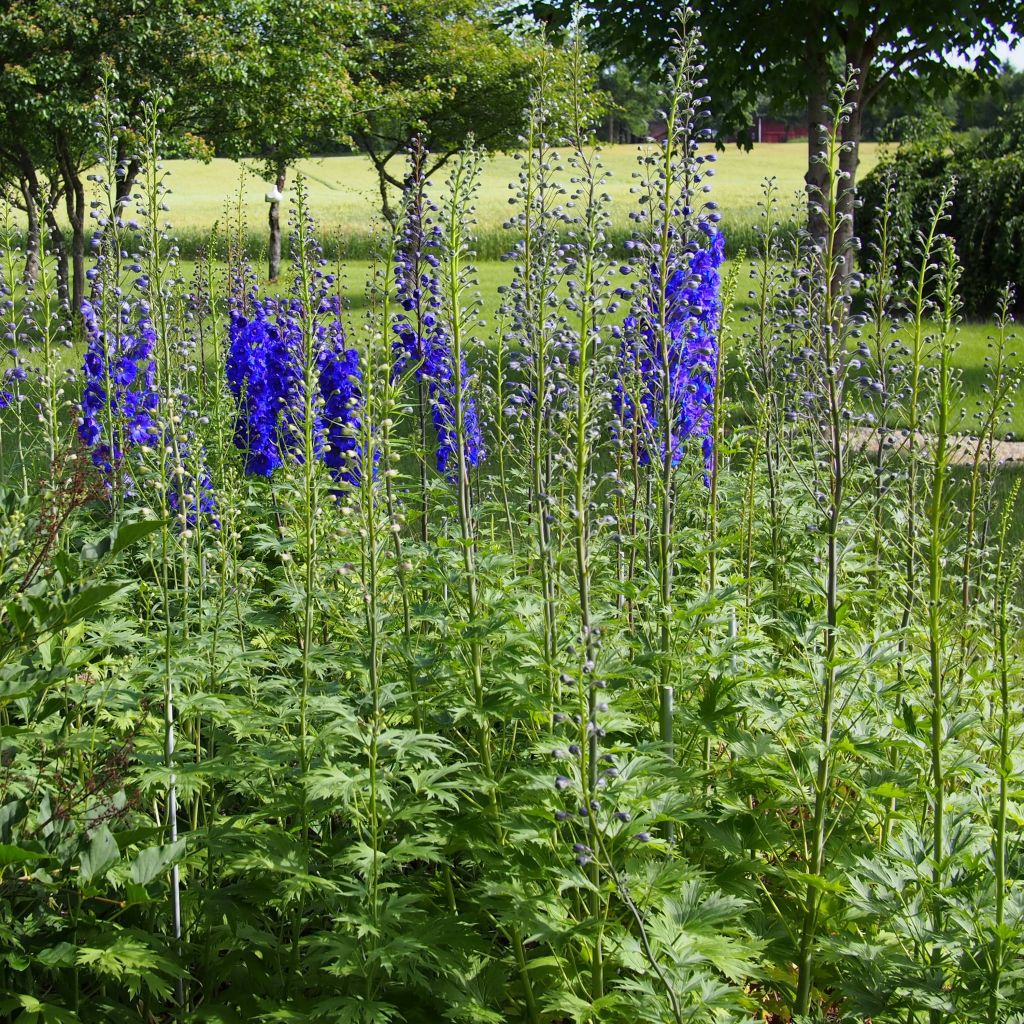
793, 51
288, 88
55, 52
445, 72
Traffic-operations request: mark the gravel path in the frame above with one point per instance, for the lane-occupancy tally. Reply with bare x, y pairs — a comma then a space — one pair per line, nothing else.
963, 447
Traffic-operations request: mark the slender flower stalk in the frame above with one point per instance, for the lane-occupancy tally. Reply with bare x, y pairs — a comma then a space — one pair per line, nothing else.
920, 307
417, 283
503, 438
307, 436
828, 313
154, 285
716, 434
387, 293
530, 307
460, 442
1006, 581
879, 357
587, 275
764, 380
1003, 382
938, 513
669, 350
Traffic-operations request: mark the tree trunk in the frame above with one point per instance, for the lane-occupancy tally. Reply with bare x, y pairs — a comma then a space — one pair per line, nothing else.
817, 138
74, 199
861, 49
60, 252
390, 214
126, 182
33, 239
849, 159
74, 202
274, 221
123, 185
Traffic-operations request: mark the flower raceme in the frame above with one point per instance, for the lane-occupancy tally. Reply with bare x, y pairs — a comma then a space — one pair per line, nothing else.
340, 378
422, 342
192, 496
436, 367
255, 355
265, 375
682, 365
120, 398
121, 404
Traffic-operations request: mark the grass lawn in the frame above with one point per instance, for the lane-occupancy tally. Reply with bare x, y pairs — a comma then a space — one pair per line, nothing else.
344, 194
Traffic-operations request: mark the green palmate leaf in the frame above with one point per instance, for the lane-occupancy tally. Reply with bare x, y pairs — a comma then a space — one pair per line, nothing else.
120, 538
37, 1011
61, 955
131, 961
890, 791
17, 681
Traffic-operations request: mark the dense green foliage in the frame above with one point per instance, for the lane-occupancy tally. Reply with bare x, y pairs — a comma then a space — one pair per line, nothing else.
966, 106
987, 215
790, 52
585, 732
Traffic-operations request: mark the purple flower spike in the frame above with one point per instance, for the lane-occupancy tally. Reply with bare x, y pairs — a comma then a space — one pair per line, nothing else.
687, 370
120, 395
264, 373
423, 342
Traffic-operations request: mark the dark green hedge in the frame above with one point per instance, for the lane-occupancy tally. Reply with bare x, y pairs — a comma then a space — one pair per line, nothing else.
987, 214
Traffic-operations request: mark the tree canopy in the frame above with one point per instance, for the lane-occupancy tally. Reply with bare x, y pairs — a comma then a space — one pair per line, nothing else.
792, 51
443, 71
55, 52
272, 79
288, 86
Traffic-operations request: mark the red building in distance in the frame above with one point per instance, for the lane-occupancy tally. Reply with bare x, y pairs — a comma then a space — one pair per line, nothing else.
763, 129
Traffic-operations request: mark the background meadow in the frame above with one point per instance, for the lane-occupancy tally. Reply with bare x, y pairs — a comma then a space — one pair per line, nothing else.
345, 194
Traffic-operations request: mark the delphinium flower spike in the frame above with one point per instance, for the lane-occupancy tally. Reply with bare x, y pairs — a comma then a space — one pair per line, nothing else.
119, 398
265, 376
669, 353
340, 392
423, 341
257, 362
683, 363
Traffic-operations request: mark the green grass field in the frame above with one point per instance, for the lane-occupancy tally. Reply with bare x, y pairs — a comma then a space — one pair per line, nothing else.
345, 199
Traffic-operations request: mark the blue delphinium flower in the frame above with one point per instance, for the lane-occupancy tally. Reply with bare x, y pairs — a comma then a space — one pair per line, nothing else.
257, 353
265, 375
423, 343
120, 399
340, 392
246, 372
440, 375
689, 365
